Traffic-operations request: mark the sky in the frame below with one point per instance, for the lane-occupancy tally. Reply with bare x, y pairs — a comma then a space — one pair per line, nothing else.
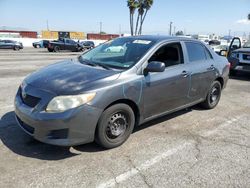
190, 16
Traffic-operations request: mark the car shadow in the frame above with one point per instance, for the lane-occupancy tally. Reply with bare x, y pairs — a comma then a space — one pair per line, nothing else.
20, 143
164, 118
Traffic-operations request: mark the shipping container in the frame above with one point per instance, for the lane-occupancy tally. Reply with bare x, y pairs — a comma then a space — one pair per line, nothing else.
77, 35
50, 34
23, 34
96, 36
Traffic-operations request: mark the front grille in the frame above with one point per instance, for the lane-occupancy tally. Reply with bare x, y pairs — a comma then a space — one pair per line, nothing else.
29, 100
246, 57
26, 127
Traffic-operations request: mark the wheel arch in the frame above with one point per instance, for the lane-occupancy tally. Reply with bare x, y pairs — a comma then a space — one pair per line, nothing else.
221, 80
131, 104
128, 102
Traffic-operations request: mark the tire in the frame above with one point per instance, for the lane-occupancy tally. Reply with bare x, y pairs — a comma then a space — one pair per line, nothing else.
37, 46
115, 126
213, 96
56, 49
50, 50
16, 48
233, 72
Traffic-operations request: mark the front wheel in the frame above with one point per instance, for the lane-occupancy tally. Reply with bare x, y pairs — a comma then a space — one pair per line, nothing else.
213, 96
233, 72
115, 126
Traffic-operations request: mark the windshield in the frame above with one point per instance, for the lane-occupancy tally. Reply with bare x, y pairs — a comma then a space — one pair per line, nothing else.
121, 53
246, 45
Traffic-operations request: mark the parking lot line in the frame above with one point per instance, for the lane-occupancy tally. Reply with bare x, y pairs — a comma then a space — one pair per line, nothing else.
147, 164
225, 124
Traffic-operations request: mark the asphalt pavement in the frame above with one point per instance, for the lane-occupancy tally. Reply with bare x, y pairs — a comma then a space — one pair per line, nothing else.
190, 148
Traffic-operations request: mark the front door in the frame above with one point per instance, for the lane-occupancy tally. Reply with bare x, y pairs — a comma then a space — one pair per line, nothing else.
168, 90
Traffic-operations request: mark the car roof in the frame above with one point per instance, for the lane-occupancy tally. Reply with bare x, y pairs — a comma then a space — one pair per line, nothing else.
159, 38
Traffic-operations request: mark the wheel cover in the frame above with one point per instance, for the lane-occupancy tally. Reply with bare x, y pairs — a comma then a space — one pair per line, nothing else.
117, 125
214, 94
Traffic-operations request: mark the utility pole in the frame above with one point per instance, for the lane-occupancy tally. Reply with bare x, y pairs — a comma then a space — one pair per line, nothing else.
120, 30
100, 27
170, 28
47, 22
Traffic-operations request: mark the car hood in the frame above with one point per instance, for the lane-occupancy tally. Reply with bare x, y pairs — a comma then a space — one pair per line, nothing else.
69, 77
243, 50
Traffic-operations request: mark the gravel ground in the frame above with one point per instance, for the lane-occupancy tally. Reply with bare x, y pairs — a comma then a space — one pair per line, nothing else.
190, 148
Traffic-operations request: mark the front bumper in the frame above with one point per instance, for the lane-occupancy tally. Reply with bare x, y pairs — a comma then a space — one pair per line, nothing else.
242, 67
72, 127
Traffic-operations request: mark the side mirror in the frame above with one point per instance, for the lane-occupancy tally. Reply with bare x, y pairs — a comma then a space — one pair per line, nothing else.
155, 66
223, 53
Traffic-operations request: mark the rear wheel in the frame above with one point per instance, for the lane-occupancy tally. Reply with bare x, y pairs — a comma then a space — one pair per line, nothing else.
213, 96
115, 126
56, 49
16, 48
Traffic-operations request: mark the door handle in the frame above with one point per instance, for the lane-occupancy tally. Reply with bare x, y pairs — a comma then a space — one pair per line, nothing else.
211, 67
185, 74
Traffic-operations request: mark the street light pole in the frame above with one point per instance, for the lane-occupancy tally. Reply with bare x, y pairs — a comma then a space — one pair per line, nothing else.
47, 22
170, 28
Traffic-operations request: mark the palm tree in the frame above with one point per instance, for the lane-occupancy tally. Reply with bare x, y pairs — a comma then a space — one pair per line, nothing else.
132, 5
147, 4
139, 15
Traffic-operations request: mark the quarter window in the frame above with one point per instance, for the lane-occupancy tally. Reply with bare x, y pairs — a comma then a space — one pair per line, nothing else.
196, 52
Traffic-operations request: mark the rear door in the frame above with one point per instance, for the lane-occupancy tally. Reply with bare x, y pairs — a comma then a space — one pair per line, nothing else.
70, 45
202, 69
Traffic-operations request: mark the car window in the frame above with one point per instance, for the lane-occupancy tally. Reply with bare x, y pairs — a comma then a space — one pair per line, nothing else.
208, 54
170, 54
246, 45
196, 52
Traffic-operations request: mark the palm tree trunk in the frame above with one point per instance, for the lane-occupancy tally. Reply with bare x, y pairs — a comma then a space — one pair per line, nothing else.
131, 24
142, 21
137, 24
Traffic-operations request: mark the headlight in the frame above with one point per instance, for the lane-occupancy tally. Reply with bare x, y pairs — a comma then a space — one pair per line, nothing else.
63, 103
234, 55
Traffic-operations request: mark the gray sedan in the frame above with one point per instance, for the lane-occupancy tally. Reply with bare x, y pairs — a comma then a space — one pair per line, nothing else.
102, 95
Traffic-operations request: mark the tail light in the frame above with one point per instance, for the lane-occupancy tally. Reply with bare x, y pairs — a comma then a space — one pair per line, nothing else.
229, 65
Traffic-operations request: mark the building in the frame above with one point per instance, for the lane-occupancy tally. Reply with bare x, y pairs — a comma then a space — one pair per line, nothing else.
18, 34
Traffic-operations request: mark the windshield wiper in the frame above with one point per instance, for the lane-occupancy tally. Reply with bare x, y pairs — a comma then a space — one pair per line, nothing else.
101, 65
92, 63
